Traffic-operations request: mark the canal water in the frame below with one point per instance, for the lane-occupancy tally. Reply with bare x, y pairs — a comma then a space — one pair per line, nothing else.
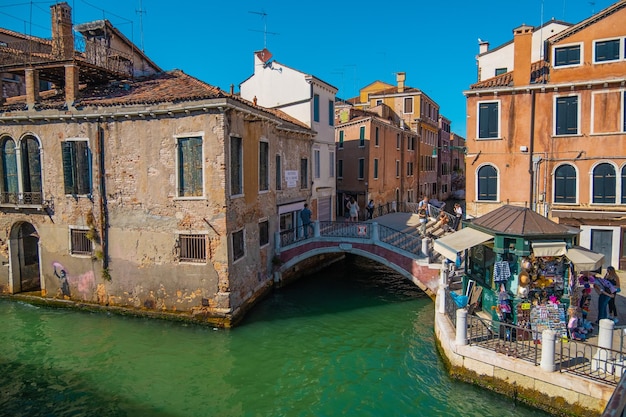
352, 340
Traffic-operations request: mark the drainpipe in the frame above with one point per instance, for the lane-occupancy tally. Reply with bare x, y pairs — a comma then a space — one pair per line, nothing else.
104, 215
531, 148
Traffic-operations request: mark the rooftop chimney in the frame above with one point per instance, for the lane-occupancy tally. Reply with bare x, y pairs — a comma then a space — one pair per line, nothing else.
62, 35
483, 46
400, 77
522, 44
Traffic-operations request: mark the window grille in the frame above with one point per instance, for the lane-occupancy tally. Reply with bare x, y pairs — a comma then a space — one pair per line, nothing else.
192, 248
80, 244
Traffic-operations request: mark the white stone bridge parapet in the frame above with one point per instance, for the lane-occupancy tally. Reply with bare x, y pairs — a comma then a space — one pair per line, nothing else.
401, 251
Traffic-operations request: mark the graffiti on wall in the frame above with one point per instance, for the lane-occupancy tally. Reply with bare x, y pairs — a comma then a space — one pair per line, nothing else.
84, 284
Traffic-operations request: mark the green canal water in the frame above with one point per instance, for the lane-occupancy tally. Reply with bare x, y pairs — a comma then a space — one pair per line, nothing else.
352, 340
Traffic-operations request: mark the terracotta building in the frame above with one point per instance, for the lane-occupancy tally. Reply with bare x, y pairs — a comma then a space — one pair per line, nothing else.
376, 158
549, 133
157, 192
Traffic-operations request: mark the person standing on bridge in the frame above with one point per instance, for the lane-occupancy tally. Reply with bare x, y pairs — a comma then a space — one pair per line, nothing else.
353, 207
305, 216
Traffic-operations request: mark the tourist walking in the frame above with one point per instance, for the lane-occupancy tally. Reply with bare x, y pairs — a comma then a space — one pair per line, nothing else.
613, 278
603, 288
423, 219
370, 210
458, 216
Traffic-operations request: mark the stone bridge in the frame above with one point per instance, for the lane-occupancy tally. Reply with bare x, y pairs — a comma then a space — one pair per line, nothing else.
391, 240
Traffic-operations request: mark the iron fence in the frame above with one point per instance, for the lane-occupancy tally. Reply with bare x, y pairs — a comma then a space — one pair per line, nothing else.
450, 308
590, 361
505, 338
356, 230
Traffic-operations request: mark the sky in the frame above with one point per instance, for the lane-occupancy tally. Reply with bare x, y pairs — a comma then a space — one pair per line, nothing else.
346, 44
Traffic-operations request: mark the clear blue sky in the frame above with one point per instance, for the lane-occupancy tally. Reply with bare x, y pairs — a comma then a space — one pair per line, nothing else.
346, 44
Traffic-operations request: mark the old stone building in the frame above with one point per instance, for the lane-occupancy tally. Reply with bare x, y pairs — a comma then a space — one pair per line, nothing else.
159, 193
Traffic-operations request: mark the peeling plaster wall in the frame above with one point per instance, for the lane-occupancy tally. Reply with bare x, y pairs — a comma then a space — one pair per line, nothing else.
145, 214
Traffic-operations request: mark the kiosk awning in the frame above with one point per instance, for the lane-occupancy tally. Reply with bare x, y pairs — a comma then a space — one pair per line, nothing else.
549, 248
584, 259
457, 242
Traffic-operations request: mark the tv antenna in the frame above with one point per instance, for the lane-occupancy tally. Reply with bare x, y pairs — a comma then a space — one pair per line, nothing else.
141, 12
265, 32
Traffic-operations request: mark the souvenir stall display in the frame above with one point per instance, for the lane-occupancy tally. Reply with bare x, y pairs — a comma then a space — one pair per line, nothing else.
541, 288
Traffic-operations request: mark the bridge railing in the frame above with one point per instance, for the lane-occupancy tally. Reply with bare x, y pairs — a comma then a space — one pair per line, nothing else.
370, 231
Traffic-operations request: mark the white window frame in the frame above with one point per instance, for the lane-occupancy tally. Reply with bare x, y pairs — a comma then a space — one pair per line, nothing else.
404, 101
568, 45
621, 50
618, 183
499, 135
577, 184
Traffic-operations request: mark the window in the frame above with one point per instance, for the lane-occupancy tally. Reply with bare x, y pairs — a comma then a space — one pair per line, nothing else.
488, 120
316, 107
341, 139
279, 173
397, 169
361, 168
304, 173
624, 187
567, 56
238, 245
331, 164
604, 183
264, 166
10, 192
80, 243
264, 233
408, 105
362, 136
565, 184
624, 111
236, 166
487, 183
379, 102
409, 169
192, 248
410, 143
31, 171
376, 138
376, 168
316, 162
605, 51
500, 71
566, 116
340, 168
331, 113
398, 142
76, 167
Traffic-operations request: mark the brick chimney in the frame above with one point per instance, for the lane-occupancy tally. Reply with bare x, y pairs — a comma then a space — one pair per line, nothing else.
32, 87
71, 84
522, 44
400, 77
483, 46
62, 34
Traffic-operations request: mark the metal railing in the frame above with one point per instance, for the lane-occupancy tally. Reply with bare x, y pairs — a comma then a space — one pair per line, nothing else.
17, 199
590, 361
401, 240
508, 339
450, 307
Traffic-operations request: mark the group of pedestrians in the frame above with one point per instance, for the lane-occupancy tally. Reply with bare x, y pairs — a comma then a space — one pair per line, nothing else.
607, 289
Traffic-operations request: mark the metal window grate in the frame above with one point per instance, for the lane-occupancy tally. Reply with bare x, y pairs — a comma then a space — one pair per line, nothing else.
192, 248
81, 245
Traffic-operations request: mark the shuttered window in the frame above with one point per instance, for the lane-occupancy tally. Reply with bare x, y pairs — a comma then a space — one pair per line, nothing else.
607, 50
488, 120
236, 166
31, 170
264, 166
565, 184
604, 183
316, 107
568, 55
190, 167
487, 183
362, 136
76, 167
566, 115
9, 172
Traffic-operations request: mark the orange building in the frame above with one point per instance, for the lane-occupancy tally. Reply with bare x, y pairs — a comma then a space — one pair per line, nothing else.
551, 133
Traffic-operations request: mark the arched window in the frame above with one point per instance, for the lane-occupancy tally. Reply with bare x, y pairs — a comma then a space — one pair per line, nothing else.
9, 183
31, 170
565, 184
604, 184
487, 183
624, 184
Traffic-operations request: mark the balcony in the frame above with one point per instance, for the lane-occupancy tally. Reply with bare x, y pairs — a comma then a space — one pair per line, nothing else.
30, 200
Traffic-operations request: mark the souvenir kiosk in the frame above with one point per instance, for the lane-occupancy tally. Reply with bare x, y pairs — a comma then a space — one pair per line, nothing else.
519, 272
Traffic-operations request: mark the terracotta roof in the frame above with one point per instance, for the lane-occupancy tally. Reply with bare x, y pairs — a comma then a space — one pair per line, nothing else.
394, 90
519, 221
167, 87
539, 74
25, 37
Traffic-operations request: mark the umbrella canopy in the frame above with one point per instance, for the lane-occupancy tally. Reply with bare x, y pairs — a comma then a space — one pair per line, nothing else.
584, 259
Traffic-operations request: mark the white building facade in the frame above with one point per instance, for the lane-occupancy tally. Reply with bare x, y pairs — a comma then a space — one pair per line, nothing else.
311, 101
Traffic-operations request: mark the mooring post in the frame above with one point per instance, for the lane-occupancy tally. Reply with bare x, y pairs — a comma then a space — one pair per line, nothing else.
461, 327
548, 340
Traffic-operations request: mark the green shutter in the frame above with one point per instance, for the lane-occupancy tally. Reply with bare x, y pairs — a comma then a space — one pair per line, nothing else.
9, 170
67, 149
82, 168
